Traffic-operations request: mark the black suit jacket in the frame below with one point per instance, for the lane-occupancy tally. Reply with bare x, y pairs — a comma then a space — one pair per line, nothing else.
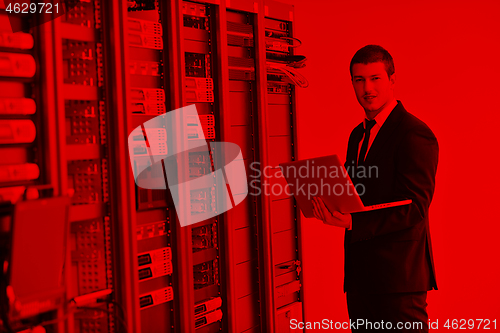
389, 250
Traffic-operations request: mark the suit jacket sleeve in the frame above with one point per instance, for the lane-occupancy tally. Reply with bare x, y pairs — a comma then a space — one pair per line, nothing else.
416, 164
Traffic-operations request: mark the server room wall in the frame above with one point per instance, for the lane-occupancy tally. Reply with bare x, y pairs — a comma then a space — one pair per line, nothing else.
447, 71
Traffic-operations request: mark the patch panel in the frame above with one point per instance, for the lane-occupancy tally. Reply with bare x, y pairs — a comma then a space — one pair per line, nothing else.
85, 109
83, 167
83, 131
84, 178
78, 49
82, 122
89, 255
94, 254
80, 13
86, 190
80, 63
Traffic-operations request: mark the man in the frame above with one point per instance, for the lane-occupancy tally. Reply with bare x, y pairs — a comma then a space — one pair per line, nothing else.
388, 255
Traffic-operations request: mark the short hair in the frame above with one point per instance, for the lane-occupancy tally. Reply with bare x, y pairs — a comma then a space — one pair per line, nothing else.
373, 53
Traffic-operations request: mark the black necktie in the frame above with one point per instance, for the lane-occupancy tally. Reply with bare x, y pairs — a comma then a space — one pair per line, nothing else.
364, 146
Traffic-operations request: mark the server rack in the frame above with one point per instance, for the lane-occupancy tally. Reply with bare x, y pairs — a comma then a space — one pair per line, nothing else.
115, 65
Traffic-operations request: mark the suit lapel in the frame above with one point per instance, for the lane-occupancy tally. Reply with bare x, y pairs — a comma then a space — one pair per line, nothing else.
385, 132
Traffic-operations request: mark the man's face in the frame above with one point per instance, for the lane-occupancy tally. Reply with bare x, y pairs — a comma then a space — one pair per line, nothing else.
374, 89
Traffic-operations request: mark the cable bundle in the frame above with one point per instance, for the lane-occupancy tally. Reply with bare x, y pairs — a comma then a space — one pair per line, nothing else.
293, 76
291, 62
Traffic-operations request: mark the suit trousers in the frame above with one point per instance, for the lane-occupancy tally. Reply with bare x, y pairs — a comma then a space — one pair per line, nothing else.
406, 312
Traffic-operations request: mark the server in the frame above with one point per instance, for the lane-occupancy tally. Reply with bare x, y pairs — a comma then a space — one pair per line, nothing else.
87, 128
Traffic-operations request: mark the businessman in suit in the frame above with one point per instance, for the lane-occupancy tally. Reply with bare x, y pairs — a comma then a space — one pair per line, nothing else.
388, 255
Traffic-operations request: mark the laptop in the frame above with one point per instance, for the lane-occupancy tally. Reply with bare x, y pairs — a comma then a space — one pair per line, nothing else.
326, 177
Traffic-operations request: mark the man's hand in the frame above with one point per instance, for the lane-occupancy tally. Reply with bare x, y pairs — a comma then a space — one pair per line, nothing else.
336, 218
